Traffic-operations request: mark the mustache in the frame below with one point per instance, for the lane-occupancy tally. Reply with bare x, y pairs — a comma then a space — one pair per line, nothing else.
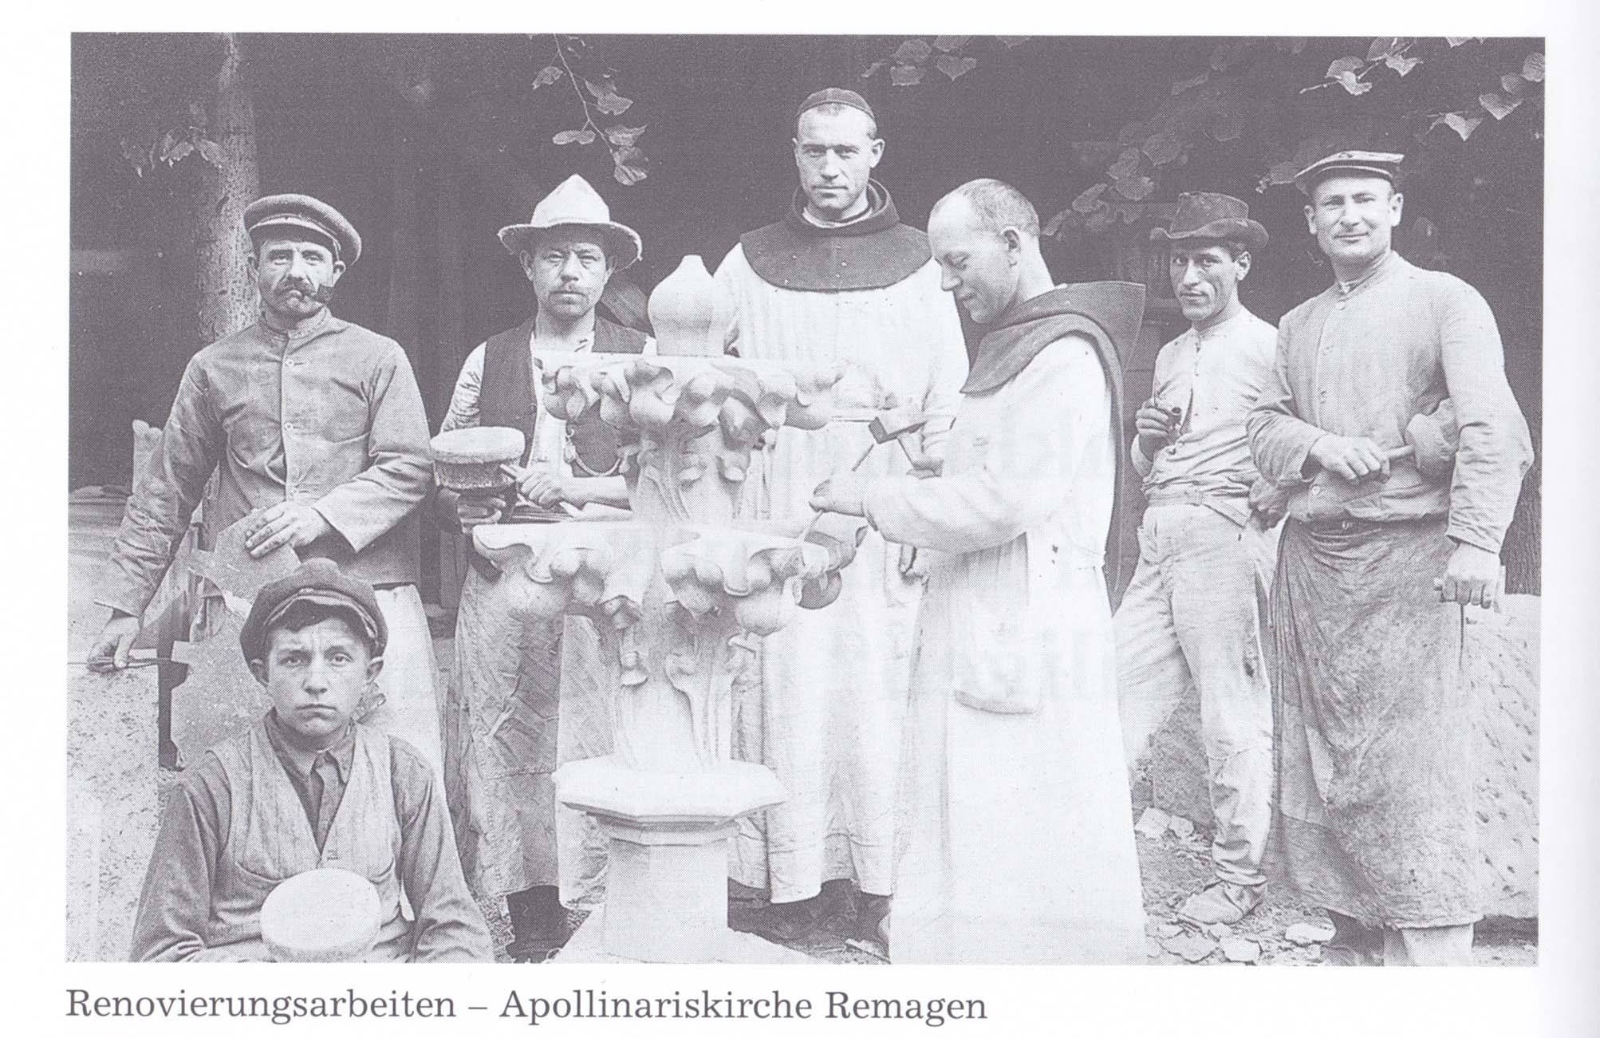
316, 292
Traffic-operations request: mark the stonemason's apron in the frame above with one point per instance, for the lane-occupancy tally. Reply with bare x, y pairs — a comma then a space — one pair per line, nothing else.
1374, 814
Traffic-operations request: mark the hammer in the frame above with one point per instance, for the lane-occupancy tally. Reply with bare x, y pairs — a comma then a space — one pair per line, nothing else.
894, 424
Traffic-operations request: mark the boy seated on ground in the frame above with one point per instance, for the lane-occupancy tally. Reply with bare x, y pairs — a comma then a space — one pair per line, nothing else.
308, 788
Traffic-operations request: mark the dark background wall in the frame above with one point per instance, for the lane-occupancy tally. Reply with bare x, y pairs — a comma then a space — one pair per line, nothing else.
429, 144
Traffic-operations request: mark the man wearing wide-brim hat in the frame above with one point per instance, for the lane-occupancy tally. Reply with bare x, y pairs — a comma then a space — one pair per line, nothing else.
1190, 612
523, 698
316, 428
1374, 817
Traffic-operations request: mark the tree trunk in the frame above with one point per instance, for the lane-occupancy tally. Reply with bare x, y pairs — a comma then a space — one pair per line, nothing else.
225, 292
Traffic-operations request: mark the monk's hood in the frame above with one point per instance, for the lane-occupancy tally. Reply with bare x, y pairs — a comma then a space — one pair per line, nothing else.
874, 252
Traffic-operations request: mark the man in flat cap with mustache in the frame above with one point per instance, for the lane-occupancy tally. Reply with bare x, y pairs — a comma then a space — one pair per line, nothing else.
1380, 556
839, 282
312, 422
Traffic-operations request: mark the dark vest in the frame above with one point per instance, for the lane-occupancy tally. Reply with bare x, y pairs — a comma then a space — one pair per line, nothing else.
505, 396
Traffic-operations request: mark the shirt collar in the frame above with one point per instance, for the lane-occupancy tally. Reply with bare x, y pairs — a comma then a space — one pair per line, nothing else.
1220, 328
302, 760
1346, 289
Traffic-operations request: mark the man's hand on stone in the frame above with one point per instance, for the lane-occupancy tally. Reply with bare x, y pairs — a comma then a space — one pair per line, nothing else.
543, 486
844, 493
1154, 427
110, 650
291, 523
1472, 577
1351, 458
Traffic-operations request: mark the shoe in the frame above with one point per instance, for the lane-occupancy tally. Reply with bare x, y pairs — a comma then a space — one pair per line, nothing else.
538, 925
1221, 902
790, 921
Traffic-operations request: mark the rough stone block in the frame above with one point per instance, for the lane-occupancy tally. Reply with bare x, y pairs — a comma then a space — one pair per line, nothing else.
112, 807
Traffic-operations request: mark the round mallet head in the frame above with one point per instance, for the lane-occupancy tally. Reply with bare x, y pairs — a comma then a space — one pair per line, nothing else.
474, 460
324, 915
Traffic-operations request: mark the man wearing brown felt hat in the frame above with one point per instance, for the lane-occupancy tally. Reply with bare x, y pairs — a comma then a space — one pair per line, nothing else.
1190, 612
1374, 817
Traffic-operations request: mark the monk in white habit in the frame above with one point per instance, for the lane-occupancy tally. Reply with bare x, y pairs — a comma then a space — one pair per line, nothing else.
1015, 841
838, 283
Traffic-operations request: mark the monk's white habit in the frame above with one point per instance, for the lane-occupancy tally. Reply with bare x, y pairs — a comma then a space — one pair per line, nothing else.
828, 716
1015, 841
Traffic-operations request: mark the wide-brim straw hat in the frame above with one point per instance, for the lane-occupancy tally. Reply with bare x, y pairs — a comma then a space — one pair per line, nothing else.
575, 204
1208, 216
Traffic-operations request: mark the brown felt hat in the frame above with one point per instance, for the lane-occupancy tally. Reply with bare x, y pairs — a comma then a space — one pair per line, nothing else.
1208, 216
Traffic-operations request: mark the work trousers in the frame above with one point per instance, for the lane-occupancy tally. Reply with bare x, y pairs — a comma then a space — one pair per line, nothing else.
1191, 613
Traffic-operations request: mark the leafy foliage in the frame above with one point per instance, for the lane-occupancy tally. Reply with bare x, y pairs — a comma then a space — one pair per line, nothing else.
577, 61
185, 136
1388, 90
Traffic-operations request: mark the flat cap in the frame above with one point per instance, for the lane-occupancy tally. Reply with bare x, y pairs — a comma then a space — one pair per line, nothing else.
319, 582
304, 214
1385, 164
836, 96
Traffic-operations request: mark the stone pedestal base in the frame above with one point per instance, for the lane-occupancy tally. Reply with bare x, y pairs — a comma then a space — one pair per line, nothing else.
667, 882
588, 945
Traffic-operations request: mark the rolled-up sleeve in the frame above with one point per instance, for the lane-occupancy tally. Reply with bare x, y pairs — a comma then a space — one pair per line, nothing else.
400, 475
165, 495
1495, 450
1280, 440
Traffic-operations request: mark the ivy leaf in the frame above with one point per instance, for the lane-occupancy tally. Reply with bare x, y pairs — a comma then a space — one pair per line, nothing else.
872, 69
1283, 172
1498, 106
1343, 66
584, 136
210, 151
613, 104
547, 75
1135, 188
1128, 211
950, 43
624, 136
1291, 44
912, 52
1512, 83
1053, 228
1459, 123
1384, 46
1456, 41
1089, 200
1401, 64
1125, 165
179, 152
1133, 133
953, 66
905, 75
1162, 148
1533, 67
628, 175
1188, 84
1012, 41
1100, 219
1353, 85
